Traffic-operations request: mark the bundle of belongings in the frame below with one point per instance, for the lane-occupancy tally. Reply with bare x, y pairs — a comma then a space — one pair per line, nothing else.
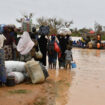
27, 25
64, 31
44, 30
18, 71
25, 44
26, 22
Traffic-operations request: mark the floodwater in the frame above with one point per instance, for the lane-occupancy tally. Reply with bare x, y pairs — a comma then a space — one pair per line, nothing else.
84, 85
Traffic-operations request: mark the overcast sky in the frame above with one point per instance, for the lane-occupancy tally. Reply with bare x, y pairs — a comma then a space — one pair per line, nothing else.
84, 13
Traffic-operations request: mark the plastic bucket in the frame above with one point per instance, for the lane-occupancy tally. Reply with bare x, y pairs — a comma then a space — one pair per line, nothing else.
73, 65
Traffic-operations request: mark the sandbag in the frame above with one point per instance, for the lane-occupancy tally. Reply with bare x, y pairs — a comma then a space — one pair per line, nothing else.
15, 66
19, 77
34, 71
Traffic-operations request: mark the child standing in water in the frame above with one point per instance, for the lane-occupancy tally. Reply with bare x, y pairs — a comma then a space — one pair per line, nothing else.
68, 57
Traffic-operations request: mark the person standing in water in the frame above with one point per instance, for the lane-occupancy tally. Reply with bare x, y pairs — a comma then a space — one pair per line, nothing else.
68, 57
43, 48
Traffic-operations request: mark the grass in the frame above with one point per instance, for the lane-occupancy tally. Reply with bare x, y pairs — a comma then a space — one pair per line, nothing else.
60, 81
20, 91
40, 101
67, 84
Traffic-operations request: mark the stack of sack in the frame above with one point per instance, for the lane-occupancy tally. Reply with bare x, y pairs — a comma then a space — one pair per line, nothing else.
17, 66
18, 71
15, 72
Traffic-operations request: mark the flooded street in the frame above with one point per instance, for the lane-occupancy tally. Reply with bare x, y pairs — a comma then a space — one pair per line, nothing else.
84, 85
87, 81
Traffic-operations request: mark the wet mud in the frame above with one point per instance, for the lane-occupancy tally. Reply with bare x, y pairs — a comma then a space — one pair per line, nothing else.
84, 85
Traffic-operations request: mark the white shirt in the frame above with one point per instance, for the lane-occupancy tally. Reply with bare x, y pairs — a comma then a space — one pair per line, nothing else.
2, 38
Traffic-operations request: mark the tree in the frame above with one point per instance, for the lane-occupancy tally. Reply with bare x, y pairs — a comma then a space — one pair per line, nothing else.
85, 30
53, 23
98, 28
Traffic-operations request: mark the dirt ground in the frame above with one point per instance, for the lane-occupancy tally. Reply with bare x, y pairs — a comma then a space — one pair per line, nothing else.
39, 94
84, 85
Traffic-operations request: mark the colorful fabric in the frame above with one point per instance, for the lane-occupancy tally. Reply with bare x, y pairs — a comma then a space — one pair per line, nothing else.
27, 26
56, 47
8, 52
2, 38
2, 67
82, 40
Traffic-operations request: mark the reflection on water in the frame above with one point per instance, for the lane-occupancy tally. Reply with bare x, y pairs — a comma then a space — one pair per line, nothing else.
63, 81
88, 85
98, 53
84, 85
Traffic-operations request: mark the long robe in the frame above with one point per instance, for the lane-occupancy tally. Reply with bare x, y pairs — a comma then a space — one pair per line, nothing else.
63, 45
43, 48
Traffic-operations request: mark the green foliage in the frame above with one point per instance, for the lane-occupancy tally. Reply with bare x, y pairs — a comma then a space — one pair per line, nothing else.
103, 37
20, 91
98, 28
75, 34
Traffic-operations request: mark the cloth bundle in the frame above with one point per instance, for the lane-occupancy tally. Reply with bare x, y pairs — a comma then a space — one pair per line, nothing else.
44, 30
27, 26
64, 31
25, 44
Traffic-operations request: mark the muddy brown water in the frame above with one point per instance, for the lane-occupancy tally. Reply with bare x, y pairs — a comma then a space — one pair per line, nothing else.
84, 85
88, 83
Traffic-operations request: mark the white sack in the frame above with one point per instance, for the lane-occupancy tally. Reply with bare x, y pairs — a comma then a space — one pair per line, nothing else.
19, 77
15, 66
64, 31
